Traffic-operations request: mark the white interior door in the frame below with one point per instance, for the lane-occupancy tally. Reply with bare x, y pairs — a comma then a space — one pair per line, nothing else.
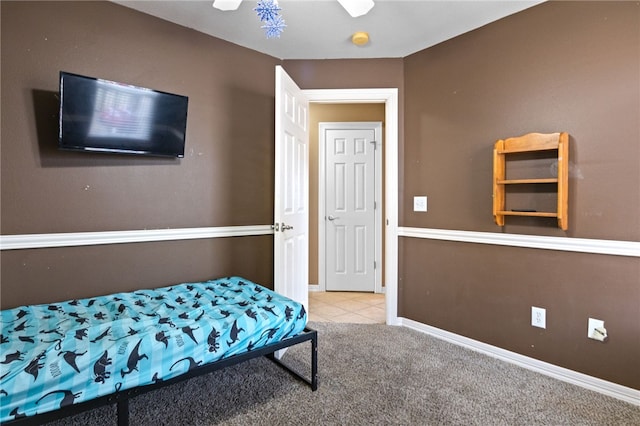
350, 205
291, 206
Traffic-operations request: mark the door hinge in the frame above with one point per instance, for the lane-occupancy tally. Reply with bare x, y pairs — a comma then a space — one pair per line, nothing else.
375, 265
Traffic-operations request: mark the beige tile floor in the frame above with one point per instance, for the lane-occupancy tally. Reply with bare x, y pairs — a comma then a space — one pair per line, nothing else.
349, 307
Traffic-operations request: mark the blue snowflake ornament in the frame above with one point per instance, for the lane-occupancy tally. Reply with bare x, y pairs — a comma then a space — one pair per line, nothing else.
274, 27
267, 10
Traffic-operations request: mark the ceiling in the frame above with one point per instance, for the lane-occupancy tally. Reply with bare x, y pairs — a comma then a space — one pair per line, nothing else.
322, 29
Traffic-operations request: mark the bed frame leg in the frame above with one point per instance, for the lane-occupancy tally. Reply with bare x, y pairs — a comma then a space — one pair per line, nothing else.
313, 381
314, 362
123, 412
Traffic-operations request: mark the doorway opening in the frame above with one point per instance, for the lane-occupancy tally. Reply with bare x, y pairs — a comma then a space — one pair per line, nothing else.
388, 98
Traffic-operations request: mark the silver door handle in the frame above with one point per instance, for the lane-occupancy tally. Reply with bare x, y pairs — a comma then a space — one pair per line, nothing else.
284, 227
332, 217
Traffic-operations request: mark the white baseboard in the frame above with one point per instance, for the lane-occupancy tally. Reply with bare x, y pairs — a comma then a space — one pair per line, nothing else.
614, 390
316, 287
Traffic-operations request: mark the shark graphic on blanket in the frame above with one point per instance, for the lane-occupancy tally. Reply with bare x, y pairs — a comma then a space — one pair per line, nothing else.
60, 354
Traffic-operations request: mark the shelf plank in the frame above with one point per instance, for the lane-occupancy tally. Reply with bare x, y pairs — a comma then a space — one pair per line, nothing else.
526, 181
530, 142
532, 214
516, 150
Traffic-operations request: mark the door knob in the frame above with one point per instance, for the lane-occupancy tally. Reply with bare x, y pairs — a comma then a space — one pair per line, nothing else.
284, 227
332, 217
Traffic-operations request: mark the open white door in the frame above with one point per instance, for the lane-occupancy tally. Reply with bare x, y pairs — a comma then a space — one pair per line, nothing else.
291, 205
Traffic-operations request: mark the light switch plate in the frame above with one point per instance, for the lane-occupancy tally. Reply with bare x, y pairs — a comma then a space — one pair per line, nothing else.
593, 324
420, 204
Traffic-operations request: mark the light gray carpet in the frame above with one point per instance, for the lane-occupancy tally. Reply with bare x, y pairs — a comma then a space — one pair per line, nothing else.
374, 375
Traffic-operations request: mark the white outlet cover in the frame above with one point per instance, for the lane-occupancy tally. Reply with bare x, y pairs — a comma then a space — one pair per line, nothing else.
538, 317
420, 204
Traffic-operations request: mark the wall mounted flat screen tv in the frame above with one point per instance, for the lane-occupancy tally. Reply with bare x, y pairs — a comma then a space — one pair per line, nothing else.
105, 116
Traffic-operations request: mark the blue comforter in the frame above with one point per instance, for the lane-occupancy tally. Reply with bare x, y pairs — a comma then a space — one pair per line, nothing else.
65, 353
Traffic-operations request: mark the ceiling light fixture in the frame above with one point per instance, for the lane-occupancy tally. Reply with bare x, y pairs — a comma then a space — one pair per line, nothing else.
227, 4
360, 38
357, 8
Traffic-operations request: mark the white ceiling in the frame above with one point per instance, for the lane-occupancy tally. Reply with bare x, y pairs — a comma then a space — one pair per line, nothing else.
322, 29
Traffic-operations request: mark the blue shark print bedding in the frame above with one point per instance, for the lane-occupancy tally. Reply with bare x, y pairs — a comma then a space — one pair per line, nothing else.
65, 353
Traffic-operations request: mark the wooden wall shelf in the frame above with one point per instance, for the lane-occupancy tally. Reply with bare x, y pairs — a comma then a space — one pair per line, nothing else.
532, 142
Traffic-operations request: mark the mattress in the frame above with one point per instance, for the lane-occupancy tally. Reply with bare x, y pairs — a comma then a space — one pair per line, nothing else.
64, 353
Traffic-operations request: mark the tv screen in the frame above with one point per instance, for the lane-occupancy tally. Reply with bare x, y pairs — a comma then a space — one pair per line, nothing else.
104, 116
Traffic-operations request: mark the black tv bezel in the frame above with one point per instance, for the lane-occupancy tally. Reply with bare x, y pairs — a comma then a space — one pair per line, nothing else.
87, 148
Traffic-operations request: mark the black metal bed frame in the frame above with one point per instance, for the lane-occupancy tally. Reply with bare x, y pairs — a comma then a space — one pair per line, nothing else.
121, 398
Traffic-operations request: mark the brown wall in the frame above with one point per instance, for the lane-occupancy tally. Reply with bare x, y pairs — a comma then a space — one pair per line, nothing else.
54, 274
225, 178
560, 66
347, 73
569, 66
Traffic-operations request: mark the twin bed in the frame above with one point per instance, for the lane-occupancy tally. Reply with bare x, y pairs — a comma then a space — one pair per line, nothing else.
63, 358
